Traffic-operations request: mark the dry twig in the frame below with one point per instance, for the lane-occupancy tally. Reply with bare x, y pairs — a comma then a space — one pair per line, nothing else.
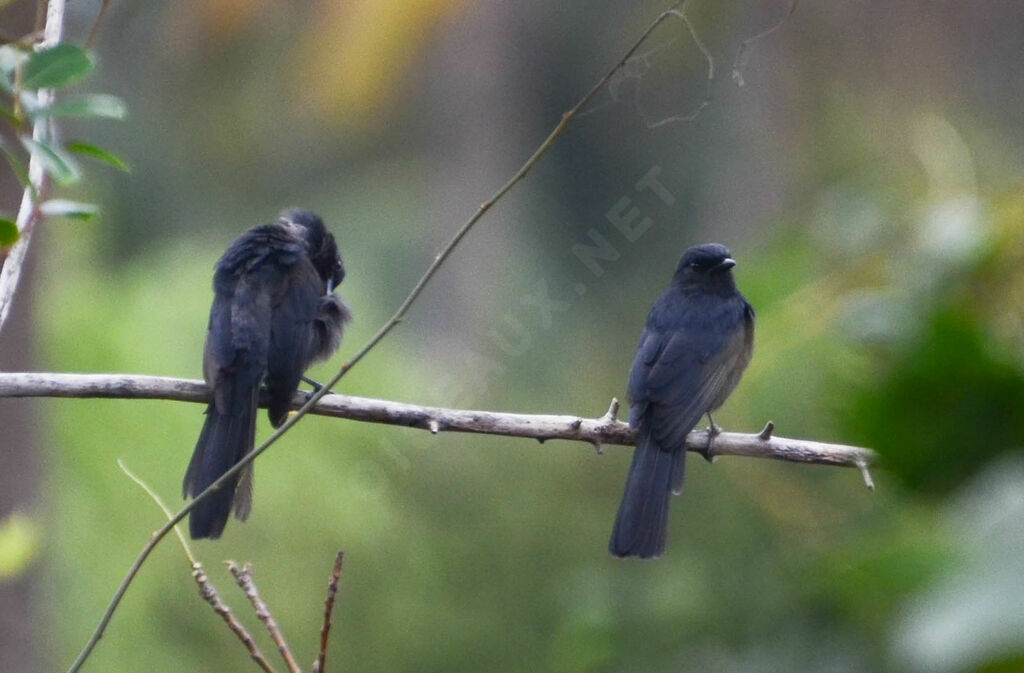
209, 594
243, 575
740, 61
97, 26
325, 630
206, 589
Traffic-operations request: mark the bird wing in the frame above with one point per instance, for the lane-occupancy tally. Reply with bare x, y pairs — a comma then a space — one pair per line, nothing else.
236, 345
681, 372
292, 316
245, 286
680, 400
291, 332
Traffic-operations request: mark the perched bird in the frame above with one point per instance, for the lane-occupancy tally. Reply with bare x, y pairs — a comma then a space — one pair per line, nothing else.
274, 312
698, 340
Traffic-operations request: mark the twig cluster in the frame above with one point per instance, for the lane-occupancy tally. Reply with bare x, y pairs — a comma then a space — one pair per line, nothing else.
210, 595
244, 577
246, 581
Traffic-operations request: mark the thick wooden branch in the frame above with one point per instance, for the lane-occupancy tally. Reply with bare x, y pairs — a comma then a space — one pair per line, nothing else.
606, 429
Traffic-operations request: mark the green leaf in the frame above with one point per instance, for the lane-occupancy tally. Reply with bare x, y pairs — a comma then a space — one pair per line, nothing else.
56, 161
90, 105
56, 67
8, 232
75, 210
93, 152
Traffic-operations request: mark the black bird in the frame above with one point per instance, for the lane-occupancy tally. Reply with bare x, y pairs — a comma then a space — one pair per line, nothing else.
274, 312
698, 340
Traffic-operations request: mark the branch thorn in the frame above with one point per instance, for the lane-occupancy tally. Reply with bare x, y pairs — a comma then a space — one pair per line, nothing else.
612, 414
866, 474
766, 434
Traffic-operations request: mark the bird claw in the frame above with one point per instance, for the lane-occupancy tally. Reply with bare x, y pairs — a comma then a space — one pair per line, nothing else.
317, 387
709, 448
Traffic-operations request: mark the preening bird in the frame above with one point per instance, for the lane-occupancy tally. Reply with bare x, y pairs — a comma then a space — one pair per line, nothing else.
274, 313
697, 342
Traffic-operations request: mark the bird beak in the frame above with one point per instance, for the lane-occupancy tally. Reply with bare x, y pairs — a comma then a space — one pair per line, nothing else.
724, 265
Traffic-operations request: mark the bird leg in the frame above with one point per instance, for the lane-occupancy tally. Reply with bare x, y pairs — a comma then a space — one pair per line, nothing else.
709, 448
317, 386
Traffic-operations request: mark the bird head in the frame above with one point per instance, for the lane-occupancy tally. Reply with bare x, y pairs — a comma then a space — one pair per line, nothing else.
320, 244
707, 264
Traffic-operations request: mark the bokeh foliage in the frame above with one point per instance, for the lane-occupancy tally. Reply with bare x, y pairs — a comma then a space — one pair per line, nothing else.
878, 228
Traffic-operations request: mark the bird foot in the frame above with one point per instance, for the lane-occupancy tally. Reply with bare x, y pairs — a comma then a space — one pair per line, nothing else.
709, 448
317, 387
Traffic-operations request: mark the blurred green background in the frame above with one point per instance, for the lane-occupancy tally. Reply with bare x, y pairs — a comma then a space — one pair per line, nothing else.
868, 178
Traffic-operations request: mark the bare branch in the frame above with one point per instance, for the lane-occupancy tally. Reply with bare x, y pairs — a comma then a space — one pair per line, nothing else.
209, 594
743, 51
677, 11
325, 630
245, 580
39, 182
523, 171
207, 591
601, 431
97, 25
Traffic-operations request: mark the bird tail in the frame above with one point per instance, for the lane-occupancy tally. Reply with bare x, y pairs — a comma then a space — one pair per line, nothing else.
642, 522
224, 440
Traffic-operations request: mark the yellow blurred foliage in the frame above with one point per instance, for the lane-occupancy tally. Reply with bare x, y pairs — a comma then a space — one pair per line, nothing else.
361, 52
19, 544
226, 17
